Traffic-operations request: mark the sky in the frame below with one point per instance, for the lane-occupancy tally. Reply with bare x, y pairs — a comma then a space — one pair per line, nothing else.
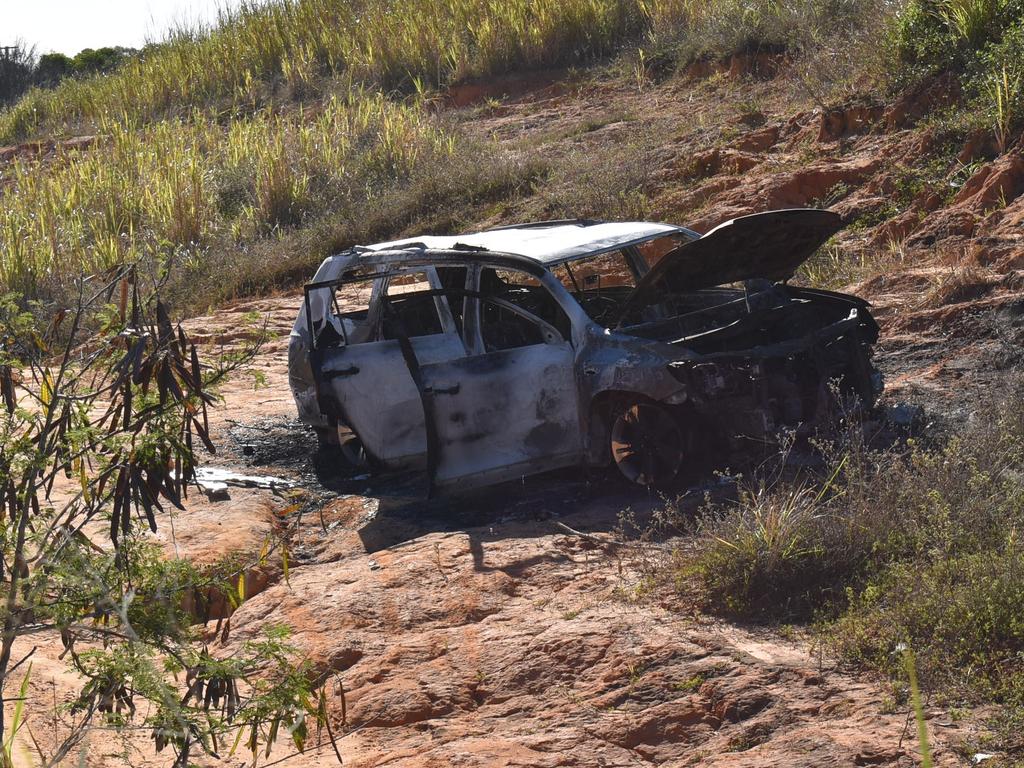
68, 26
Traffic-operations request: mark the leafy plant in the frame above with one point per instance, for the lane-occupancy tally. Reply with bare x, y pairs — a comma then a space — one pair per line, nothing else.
970, 21
1005, 93
102, 414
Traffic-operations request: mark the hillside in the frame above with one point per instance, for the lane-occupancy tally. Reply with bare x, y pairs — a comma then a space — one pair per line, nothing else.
257, 148
479, 631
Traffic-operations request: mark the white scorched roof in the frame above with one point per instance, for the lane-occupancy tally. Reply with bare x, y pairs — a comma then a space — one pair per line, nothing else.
549, 244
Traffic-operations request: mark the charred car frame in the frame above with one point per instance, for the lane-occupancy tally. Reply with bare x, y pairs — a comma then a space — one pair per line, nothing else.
486, 357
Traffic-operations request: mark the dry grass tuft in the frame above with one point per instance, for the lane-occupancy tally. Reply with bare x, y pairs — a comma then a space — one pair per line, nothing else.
956, 284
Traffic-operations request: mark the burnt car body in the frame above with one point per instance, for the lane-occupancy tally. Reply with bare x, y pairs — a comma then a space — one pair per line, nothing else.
485, 357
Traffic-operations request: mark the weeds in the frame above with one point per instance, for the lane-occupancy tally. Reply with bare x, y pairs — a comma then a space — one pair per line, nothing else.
691, 684
201, 165
1005, 94
912, 546
835, 266
958, 282
970, 21
780, 550
260, 53
173, 191
606, 185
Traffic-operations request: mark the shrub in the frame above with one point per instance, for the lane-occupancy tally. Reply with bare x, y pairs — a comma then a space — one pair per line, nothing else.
787, 551
916, 546
768, 554
963, 616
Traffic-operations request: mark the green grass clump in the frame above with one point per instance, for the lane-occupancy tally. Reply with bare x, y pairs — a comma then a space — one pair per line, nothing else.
769, 554
940, 35
915, 547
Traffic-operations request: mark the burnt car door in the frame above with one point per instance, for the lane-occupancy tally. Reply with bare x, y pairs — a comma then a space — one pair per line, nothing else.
365, 383
510, 406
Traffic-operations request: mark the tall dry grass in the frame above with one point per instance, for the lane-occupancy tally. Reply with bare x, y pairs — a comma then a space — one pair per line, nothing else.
175, 189
284, 114
292, 45
264, 52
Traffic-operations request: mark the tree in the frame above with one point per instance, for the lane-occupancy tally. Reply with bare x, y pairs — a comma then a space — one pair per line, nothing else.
102, 409
92, 60
17, 63
52, 68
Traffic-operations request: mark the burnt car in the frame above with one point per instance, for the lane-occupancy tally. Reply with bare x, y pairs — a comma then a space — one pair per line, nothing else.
489, 356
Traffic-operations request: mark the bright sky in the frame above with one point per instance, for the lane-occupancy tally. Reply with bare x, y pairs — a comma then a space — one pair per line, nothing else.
68, 26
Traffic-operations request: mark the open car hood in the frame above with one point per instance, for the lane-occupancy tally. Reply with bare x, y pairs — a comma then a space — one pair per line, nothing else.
767, 245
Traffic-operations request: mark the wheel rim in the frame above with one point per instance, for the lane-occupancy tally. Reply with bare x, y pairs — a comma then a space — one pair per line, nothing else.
352, 450
647, 444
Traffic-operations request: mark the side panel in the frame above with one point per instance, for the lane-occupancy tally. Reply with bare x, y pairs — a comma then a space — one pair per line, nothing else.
504, 414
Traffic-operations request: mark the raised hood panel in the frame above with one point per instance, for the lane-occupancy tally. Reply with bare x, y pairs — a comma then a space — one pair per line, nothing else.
767, 245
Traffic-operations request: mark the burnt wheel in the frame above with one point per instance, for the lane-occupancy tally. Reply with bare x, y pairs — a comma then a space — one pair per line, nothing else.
326, 439
647, 444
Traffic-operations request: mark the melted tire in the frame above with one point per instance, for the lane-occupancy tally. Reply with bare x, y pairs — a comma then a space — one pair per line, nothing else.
648, 445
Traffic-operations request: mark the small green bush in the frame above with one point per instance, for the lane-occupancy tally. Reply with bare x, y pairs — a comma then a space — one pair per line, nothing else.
779, 553
962, 615
980, 41
917, 546
950, 34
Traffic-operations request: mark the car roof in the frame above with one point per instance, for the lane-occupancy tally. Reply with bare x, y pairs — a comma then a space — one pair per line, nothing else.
547, 242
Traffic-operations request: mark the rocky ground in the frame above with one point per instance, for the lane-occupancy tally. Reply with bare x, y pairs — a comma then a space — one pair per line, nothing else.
480, 632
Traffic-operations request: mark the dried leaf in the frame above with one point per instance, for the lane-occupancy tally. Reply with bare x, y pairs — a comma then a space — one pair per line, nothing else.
46, 390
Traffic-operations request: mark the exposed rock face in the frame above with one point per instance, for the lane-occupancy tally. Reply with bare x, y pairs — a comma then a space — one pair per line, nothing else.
511, 645
841, 122
933, 93
796, 189
978, 206
761, 64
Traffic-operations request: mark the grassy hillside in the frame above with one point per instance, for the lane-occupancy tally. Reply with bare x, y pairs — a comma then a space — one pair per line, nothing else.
265, 143
262, 144
266, 52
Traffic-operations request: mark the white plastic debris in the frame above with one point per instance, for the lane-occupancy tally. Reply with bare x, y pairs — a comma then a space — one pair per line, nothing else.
214, 482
